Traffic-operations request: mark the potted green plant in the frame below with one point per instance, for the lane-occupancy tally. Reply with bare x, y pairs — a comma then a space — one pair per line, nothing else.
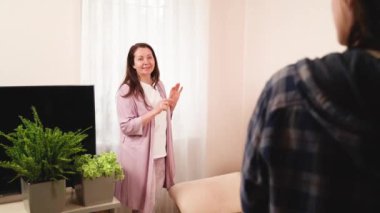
99, 174
42, 158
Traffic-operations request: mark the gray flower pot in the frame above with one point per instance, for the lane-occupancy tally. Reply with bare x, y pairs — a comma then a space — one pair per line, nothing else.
96, 191
46, 197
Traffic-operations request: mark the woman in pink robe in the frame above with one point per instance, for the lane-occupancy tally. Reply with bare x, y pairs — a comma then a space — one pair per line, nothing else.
137, 124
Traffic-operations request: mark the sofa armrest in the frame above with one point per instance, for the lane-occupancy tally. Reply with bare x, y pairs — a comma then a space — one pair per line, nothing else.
213, 194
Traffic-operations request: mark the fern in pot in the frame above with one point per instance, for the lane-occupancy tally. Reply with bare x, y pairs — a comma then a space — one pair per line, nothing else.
42, 158
99, 174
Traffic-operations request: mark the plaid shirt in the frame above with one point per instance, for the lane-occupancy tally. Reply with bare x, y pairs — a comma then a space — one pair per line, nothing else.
297, 157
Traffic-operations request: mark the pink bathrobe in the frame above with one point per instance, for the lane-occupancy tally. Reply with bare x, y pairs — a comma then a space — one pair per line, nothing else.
135, 152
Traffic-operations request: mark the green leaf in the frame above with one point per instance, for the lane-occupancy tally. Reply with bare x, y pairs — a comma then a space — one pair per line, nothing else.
40, 154
102, 165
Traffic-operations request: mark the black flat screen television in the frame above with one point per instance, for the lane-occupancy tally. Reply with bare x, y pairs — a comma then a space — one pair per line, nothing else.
68, 107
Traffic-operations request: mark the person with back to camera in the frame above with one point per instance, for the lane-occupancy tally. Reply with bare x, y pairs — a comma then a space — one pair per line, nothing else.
313, 140
144, 113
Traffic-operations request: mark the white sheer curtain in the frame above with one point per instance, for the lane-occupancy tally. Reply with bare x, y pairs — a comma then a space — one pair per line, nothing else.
177, 31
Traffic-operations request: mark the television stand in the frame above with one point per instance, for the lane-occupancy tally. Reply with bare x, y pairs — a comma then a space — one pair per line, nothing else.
71, 206
10, 198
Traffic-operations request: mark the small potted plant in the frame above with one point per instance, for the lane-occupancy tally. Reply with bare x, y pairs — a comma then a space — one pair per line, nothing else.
99, 174
42, 158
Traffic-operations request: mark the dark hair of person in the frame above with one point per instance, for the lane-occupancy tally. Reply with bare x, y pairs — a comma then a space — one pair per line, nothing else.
132, 78
365, 32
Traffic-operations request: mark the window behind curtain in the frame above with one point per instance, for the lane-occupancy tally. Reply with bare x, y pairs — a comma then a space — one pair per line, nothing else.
177, 30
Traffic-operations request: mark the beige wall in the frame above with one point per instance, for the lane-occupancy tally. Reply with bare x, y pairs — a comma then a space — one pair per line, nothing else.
281, 32
39, 42
250, 40
224, 132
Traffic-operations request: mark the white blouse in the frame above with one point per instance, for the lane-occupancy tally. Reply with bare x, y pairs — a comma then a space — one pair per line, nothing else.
159, 135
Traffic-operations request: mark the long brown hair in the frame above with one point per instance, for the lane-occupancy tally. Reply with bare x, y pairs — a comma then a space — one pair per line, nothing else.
132, 78
365, 32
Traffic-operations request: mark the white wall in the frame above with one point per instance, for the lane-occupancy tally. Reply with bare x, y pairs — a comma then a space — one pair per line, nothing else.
39, 42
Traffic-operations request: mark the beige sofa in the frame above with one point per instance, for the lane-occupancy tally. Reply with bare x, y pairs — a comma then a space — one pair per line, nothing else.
217, 194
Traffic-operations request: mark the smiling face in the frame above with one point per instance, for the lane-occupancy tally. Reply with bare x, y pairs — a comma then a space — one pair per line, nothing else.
144, 63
